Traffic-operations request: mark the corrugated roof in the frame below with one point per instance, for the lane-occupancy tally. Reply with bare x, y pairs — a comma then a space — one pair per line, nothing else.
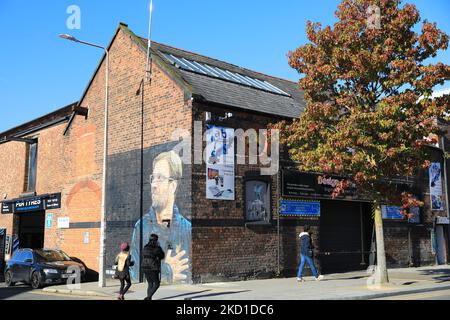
233, 94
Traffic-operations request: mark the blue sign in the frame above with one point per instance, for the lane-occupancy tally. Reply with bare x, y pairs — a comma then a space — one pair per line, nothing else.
391, 212
49, 220
300, 208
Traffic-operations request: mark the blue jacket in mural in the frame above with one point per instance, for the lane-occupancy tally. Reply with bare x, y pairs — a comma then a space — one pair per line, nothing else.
177, 237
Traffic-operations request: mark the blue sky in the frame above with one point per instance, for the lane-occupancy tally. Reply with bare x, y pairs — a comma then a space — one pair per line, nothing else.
40, 72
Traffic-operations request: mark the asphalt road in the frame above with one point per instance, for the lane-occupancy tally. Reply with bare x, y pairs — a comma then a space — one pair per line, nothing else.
23, 292
434, 295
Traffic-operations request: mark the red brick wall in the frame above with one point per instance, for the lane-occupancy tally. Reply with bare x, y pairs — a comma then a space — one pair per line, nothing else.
12, 176
224, 249
153, 110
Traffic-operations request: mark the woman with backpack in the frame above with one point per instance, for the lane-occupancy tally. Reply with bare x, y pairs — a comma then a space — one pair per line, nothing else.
123, 262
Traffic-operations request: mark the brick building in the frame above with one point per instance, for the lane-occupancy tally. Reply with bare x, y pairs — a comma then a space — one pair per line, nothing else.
217, 219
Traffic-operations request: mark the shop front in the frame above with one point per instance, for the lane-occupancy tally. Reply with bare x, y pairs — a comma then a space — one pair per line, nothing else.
29, 214
345, 226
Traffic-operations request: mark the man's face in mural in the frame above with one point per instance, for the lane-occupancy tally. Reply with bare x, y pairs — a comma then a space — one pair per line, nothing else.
163, 188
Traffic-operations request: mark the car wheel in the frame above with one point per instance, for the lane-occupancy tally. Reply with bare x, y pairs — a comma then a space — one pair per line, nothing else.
35, 280
8, 279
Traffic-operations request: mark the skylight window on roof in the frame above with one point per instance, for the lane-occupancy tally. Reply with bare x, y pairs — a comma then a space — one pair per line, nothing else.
213, 71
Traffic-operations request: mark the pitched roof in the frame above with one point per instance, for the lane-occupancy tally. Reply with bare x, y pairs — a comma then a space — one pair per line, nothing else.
62, 114
220, 91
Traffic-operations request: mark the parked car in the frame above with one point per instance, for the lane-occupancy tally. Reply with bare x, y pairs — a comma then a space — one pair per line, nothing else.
39, 267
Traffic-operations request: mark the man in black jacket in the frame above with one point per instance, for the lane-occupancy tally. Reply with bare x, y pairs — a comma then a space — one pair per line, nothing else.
306, 255
151, 265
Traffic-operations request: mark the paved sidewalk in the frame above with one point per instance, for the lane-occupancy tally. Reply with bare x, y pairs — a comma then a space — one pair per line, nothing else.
347, 286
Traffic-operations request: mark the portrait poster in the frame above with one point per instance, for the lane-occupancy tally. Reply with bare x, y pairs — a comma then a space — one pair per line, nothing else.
219, 157
435, 175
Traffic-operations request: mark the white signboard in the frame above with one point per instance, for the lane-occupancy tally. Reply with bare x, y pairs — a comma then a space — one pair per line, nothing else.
86, 238
63, 223
219, 157
442, 220
437, 202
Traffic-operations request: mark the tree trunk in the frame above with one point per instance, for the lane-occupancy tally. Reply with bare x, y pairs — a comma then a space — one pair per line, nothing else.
381, 273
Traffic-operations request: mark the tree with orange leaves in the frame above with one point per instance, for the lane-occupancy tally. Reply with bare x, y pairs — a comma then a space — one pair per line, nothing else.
368, 89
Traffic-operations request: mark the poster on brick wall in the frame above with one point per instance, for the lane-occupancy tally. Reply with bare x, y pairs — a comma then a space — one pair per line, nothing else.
436, 186
219, 163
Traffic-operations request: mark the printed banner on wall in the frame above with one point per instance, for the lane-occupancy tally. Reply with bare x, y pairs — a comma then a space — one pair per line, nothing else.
436, 186
220, 163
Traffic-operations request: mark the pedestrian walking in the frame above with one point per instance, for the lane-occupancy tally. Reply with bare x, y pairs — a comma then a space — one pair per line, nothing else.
123, 263
151, 265
306, 255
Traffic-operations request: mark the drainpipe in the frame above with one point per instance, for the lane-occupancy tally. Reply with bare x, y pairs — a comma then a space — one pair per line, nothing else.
278, 223
445, 187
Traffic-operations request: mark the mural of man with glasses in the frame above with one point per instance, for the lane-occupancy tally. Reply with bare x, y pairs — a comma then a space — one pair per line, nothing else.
165, 220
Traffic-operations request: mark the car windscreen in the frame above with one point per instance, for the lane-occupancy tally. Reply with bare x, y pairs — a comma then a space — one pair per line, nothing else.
51, 256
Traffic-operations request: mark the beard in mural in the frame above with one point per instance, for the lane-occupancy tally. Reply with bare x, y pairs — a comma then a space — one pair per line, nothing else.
165, 220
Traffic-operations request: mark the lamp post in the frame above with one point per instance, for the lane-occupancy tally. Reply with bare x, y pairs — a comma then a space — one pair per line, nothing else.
102, 280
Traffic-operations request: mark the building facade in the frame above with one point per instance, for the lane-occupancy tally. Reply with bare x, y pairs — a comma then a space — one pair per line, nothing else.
173, 170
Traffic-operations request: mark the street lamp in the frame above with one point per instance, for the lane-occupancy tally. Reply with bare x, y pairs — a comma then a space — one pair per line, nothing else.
102, 279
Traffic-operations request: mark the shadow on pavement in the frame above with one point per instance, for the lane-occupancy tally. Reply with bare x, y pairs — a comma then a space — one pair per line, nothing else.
184, 294
408, 283
216, 294
439, 275
9, 292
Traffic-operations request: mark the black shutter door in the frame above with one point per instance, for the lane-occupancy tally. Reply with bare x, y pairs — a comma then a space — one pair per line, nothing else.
340, 236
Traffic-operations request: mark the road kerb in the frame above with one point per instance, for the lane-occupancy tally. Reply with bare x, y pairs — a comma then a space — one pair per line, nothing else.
393, 293
76, 292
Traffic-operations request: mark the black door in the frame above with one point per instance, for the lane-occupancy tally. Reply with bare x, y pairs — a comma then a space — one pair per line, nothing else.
345, 233
31, 230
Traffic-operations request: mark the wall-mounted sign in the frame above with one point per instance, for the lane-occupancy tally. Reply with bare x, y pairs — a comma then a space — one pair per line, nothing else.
86, 237
7, 207
442, 220
391, 212
416, 215
435, 180
39, 203
219, 163
49, 220
63, 223
29, 204
53, 201
257, 201
299, 184
300, 208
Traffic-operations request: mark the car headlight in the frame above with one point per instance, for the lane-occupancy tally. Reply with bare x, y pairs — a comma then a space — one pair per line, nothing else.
50, 271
